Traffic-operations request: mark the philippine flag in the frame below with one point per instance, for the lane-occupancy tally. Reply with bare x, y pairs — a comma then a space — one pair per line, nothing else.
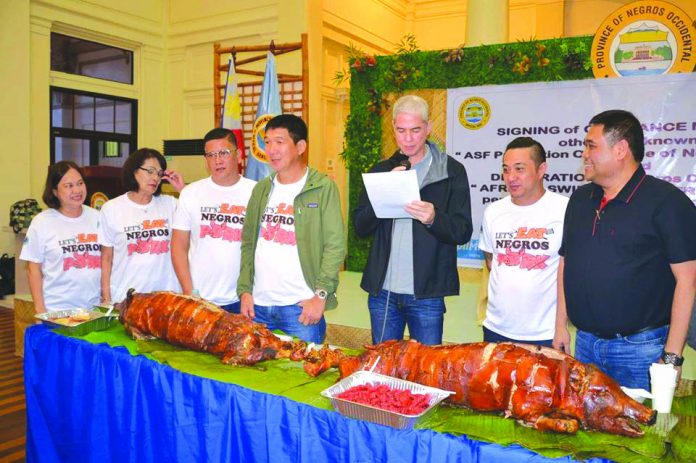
231, 117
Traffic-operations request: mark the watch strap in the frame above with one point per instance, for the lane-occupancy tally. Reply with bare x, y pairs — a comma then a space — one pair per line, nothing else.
672, 358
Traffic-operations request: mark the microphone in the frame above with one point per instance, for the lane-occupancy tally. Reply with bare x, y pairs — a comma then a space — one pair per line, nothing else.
404, 161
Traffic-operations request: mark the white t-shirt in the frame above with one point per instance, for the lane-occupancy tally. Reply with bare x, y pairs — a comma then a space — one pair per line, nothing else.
278, 278
524, 242
214, 216
70, 256
140, 236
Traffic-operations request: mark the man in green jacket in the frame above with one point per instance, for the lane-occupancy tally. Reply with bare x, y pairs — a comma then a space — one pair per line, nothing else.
293, 242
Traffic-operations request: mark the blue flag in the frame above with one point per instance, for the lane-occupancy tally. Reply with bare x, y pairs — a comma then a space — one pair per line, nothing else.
269, 107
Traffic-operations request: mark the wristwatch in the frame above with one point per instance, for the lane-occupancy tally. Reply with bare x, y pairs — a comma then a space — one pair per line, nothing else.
321, 294
672, 358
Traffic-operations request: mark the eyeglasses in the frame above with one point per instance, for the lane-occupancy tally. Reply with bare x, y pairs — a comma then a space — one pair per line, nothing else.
224, 154
152, 171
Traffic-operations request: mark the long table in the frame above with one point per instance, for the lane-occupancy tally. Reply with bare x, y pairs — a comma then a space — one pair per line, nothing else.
94, 403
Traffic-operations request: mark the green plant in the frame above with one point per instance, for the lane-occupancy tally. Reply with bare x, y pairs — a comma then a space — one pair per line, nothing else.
357, 60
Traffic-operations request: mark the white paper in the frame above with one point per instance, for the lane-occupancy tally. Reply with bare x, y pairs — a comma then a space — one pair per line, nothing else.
390, 192
663, 382
638, 395
663, 373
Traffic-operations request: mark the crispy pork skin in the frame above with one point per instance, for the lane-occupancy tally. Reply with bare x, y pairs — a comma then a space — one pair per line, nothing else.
538, 386
200, 325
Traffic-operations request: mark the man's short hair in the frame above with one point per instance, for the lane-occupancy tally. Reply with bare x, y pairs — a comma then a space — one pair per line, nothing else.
411, 104
622, 125
219, 133
296, 127
134, 162
538, 152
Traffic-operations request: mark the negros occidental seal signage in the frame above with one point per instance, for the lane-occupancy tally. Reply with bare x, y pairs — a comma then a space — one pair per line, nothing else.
644, 38
474, 113
258, 145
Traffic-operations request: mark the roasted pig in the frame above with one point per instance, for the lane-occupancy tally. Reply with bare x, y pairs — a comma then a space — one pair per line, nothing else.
200, 325
538, 386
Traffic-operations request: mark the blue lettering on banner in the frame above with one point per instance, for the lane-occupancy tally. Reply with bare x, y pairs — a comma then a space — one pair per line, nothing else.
470, 251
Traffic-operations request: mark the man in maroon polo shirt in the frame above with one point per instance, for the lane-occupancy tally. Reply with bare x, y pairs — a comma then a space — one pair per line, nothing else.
627, 275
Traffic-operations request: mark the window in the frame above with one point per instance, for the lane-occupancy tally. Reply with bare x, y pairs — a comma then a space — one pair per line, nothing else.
92, 129
85, 58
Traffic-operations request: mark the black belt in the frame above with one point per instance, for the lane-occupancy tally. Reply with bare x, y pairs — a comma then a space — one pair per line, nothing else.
622, 335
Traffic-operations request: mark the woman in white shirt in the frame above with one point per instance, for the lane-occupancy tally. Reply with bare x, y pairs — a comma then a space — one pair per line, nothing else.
135, 230
61, 247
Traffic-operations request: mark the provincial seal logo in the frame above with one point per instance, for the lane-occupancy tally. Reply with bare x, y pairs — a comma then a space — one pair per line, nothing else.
474, 113
644, 38
258, 132
97, 200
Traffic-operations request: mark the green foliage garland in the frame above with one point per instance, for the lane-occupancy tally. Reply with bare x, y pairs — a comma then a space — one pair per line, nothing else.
409, 69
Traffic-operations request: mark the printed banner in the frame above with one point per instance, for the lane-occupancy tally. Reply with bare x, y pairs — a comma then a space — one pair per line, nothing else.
481, 121
231, 117
269, 106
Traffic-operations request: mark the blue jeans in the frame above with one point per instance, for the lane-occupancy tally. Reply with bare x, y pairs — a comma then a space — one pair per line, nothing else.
424, 317
626, 359
232, 308
285, 318
492, 336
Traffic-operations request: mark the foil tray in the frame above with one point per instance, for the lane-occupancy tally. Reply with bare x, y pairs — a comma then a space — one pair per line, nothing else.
98, 321
377, 415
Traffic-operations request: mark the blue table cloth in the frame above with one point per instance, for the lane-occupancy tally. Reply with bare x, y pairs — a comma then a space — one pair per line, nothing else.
93, 403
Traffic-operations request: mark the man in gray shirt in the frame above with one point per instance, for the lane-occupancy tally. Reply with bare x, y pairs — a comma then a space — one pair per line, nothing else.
412, 264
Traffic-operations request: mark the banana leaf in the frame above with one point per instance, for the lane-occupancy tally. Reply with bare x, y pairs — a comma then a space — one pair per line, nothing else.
288, 379
683, 436
279, 377
684, 405
584, 444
